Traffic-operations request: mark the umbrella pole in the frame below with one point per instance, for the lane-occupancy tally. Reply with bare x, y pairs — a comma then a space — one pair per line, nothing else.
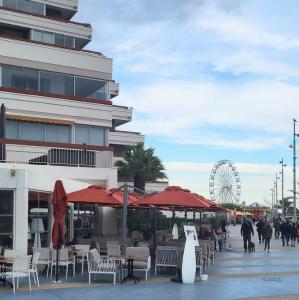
173, 217
125, 212
155, 230
194, 216
58, 246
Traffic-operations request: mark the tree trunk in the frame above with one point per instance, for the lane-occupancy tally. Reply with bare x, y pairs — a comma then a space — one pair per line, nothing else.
139, 183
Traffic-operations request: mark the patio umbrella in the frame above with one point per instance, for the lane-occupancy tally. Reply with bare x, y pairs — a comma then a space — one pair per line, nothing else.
2, 132
133, 198
174, 197
94, 194
59, 202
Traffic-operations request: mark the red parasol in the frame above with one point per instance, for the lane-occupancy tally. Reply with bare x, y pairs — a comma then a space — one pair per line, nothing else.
59, 202
174, 197
94, 194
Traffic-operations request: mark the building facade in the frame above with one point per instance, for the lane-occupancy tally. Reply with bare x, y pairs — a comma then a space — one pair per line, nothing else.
60, 120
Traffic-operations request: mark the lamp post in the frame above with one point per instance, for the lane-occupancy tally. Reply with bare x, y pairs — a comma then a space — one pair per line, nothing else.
272, 203
294, 168
276, 194
282, 186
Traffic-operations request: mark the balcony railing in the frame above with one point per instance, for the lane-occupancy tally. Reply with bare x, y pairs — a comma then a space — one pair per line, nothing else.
55, 154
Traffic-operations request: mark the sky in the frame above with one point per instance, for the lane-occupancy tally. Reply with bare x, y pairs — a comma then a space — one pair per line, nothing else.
208, 80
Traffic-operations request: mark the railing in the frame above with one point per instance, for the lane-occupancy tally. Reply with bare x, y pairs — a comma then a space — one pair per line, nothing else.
55, 154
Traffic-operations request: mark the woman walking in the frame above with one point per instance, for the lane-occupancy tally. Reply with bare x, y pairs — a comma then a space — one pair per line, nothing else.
267, 235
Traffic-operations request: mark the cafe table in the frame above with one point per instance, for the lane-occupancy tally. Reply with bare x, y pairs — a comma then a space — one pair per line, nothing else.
130, 260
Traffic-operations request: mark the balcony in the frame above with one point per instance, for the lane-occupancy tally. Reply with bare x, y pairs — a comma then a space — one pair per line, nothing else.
50, 58
54, 154
125, 138
27, 20
114, 89
121, 115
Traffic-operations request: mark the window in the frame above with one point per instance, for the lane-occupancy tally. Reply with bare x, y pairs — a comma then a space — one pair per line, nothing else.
56, 84
53, 83
6, 218
88, 88
23, 79
20, 130
38, 217
25, 5
90, 135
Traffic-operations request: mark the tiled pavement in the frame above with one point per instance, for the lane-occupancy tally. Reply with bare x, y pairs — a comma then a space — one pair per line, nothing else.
236, 275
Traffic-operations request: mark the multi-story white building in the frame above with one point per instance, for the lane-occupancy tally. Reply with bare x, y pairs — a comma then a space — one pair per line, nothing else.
60, 121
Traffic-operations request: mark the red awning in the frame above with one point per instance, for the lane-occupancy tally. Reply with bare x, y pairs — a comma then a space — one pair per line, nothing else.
59, 202
94, 194
174, 197
133, 198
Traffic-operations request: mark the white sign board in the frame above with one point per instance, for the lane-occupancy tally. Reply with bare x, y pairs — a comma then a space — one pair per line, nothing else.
190, 233
189, 258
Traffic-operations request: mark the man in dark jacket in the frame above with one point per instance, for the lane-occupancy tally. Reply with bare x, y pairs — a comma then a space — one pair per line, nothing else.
284, 232
259, 228
246, 231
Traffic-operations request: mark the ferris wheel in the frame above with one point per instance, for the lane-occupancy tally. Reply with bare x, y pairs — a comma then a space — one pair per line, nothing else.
225, 184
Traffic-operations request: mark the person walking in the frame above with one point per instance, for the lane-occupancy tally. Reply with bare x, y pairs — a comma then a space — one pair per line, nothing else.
267, 235
246, 232
276, 227
283, 231
259, 228
293, 235
289, 231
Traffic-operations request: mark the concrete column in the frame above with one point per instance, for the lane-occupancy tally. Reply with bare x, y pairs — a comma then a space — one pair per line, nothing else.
21, 211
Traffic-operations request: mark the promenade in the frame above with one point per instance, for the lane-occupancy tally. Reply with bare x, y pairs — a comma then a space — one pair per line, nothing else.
235, 275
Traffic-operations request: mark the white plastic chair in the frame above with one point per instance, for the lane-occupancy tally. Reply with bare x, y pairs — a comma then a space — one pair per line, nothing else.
44, 257
113, 250
64, 260
33, 268
82, 254
100, 265
20, 269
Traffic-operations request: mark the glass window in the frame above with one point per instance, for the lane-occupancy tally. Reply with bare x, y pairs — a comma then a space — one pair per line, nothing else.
37, 8
59, 39
38, 216
23, 79
97, 136
69, 41
90, 135
32, 131
6, 218
37, 35
48, 37
56, 84
23, 5
58, 133
82, 135
12, 129
90, 88
10, 3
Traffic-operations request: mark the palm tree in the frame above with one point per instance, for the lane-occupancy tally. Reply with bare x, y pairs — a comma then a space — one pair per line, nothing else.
140, 165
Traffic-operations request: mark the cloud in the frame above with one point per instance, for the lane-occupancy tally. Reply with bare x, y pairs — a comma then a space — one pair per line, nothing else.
242, 116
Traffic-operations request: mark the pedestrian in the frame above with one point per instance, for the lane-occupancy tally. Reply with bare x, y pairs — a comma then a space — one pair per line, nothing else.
289, 232
283, 231
246, 232
293, 235
259, 228
267, 235
276, 227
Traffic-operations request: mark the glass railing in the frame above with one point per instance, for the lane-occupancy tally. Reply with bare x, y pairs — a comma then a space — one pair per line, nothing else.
53, 83
25, 5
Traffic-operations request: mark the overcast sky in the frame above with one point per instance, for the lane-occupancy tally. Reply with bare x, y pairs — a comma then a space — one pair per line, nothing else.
208, 80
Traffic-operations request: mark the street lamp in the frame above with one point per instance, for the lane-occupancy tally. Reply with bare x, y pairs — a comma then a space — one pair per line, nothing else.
282, 186
276, 193
294, 167
272, 197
